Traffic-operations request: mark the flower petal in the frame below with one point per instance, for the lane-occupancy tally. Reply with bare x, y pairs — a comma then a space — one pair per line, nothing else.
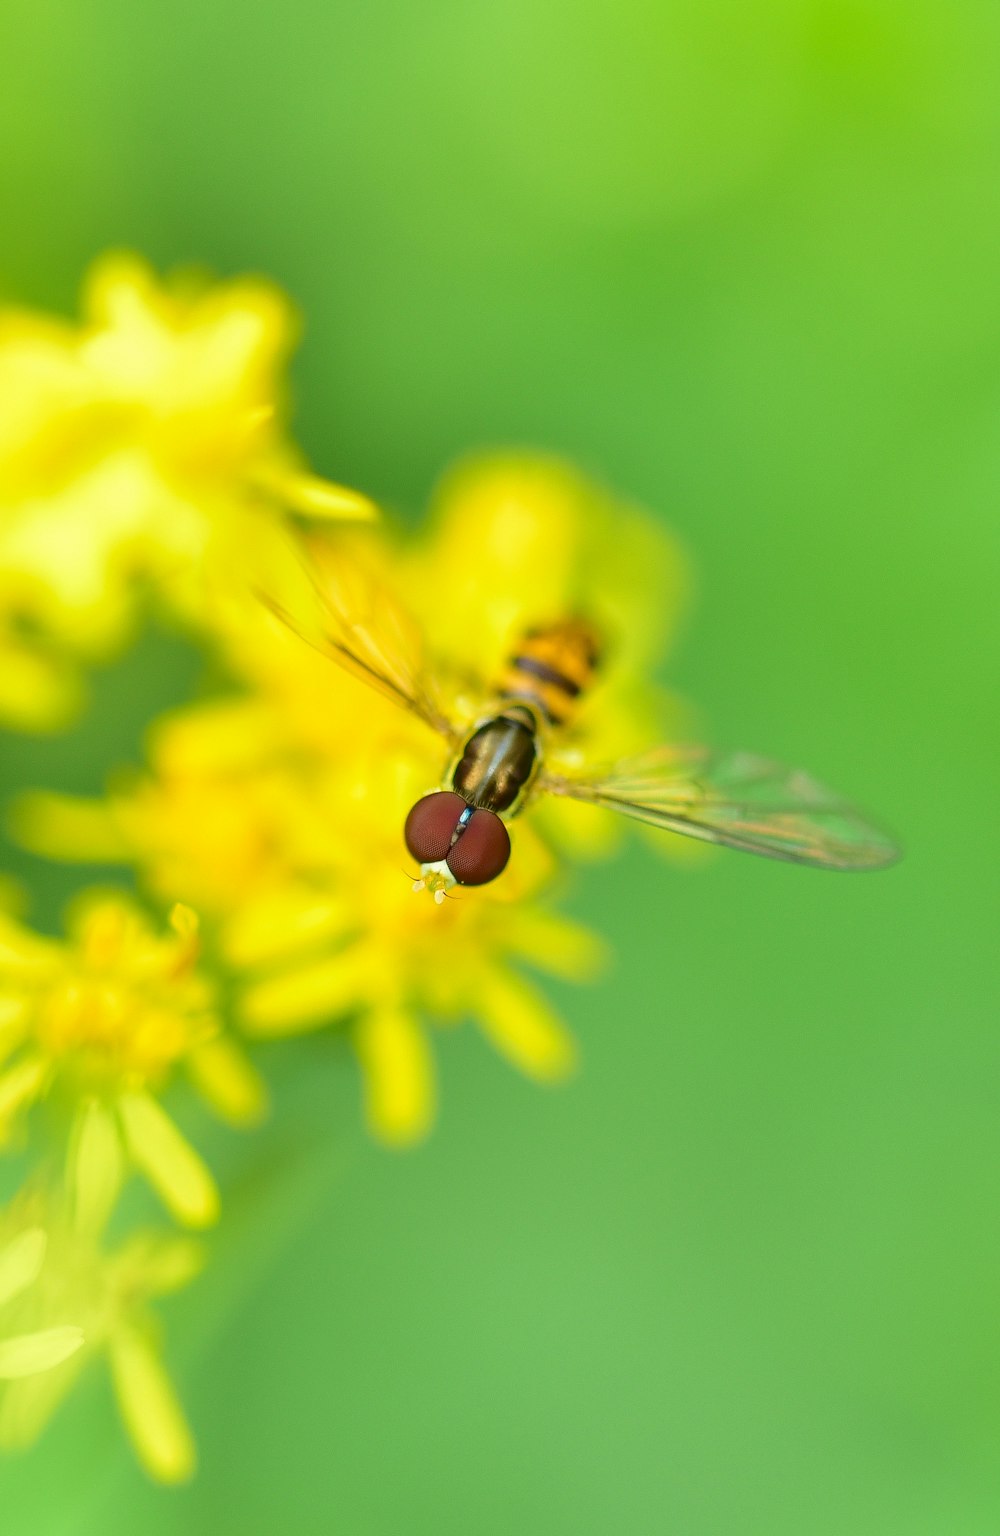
523, 1028
18, 1086
29, 1353
37, 692
308, 997
155, 1264
13, 1015
400, 1097
20, 1262
28, 1402
169, 1161
227, 1078
554, 943
150, 1408
94, 1167
316, 497
271, 926
68, 827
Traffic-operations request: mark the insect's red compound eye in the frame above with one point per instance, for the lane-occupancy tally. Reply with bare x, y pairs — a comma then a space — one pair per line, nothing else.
482, 851
431, 825
479, 852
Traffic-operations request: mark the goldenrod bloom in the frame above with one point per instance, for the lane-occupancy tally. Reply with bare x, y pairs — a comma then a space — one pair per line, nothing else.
298, 862
362, 948
107, 1017
143, 446
279, 815
514, 542
517, 540
58, 1239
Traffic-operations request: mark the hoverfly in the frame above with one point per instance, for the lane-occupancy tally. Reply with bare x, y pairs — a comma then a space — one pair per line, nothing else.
497, 760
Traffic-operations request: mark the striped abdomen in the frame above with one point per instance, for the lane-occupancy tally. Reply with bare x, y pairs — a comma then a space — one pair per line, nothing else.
551, 668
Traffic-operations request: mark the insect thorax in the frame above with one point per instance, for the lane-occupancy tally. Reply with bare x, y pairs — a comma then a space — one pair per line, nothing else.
498, 760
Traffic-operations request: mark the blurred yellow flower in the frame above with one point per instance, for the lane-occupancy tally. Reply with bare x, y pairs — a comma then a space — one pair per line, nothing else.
361, 947
279, 814
144, 446
25, 1354
517, 540
58, 1239
298, 861
105, 1018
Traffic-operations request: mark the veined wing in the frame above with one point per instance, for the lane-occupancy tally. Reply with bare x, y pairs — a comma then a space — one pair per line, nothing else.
739, 801
343, 611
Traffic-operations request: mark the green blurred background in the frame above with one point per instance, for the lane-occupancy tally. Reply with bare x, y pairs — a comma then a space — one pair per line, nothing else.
739, 257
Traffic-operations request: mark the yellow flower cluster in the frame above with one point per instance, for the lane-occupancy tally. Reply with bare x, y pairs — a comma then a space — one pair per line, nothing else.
145, 461
55, 1264
138, 450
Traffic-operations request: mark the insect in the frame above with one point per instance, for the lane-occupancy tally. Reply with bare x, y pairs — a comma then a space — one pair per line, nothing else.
497, 761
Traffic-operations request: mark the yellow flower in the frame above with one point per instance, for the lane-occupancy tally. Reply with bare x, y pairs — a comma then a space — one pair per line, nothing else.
144, 445
298, 861
106, 1018
516, 540
361, 947
279, 815
108, 1293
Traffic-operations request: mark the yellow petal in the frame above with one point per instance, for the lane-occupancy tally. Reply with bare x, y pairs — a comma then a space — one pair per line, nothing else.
94, 1167
21, 1262
315, 497
13, 896
225, 1076
28, 1402
156, 1265
309, 997
37, 693
524, 1028
14, 1013
216, 737
67, 827
24, 953
554, 943
399, 1076
183, 920
278, 923
169, 1161
18, 1087
32, 1352
150, 1409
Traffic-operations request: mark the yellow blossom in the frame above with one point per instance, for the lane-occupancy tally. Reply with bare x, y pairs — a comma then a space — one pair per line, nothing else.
279, 814
144, 445
58, 1239
364, 949
102, 1021
298, 862
516, 540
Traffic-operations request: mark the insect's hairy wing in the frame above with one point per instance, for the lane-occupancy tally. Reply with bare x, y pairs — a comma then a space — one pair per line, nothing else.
739, 801
343, 611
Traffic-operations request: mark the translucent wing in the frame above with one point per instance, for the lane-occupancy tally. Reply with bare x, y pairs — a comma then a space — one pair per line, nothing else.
341, 609
739, 801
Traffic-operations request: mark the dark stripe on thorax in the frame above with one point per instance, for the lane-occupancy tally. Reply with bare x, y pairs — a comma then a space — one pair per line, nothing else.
546, 674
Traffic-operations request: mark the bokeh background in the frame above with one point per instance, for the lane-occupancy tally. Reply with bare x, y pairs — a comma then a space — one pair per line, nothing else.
739, 258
